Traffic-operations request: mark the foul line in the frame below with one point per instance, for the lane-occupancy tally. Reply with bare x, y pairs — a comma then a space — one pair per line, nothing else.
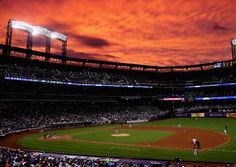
217, 150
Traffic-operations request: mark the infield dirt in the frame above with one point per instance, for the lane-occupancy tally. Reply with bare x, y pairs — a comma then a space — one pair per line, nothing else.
182, 139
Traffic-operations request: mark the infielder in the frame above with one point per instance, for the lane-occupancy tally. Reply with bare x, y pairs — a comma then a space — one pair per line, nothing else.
179, 125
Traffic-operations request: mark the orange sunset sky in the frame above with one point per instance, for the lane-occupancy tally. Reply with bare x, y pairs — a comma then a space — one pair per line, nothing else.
158, 32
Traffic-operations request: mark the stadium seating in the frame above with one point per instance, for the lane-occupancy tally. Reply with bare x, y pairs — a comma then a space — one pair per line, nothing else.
43, 116
28, 105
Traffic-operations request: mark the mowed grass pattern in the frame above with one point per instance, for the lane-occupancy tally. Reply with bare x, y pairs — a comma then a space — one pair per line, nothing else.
226, 153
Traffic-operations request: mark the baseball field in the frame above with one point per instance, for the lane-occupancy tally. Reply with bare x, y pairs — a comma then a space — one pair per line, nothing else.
152, 140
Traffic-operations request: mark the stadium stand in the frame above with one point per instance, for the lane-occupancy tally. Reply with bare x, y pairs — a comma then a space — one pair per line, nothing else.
41, 95
26, 103
20, 158
45, 116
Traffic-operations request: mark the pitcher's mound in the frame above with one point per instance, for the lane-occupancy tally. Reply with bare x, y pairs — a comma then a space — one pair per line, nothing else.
121, 135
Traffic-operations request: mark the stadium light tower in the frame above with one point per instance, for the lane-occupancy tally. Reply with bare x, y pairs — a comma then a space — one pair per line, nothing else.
233, 48
35, 31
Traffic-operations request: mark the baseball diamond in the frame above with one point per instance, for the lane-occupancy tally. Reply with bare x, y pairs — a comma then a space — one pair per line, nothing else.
153, 140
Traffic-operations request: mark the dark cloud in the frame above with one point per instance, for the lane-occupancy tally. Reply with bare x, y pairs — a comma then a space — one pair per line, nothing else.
65, 27
147, 50
109, 56
91, 41
84, 55
217, 26
58, 26
81, 55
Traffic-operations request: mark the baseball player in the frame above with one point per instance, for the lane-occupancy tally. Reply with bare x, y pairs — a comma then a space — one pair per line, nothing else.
225, 132
179, 125
196, 147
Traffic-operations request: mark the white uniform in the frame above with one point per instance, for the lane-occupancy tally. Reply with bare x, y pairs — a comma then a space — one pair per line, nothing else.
194, 141
179, 126
195, 151
225, 131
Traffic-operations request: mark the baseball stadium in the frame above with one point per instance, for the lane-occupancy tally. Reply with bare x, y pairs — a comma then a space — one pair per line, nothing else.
58, 110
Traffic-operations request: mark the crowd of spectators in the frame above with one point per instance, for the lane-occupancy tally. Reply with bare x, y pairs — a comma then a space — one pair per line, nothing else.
213, 108
85, 76
213, 79
218, 108
46, 116
103, 76
18, 158
218, 91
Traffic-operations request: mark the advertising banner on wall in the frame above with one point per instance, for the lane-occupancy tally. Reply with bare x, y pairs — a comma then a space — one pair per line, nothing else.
233, 115
201, 115
214, 114
197, 114
183, 115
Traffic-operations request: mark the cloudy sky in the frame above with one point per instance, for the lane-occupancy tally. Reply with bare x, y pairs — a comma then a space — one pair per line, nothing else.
158, 32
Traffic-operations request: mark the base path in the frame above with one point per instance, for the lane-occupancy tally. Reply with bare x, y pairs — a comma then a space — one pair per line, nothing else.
182, 139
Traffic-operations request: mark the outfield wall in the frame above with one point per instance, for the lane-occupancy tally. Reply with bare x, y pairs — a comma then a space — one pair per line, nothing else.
207, 115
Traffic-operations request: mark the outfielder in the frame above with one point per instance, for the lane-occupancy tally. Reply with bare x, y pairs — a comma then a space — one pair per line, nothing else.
226, 130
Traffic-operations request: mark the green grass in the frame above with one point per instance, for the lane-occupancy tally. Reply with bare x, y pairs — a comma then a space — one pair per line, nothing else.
103, 133
136, 136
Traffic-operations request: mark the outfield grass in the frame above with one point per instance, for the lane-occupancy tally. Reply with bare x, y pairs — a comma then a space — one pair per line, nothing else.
226, 153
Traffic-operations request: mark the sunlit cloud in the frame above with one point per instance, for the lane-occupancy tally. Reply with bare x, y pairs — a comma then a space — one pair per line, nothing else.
155, 32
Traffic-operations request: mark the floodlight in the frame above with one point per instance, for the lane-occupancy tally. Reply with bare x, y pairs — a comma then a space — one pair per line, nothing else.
57, 35
233, 41
38, 30
22, 25
33, 31
53, 35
